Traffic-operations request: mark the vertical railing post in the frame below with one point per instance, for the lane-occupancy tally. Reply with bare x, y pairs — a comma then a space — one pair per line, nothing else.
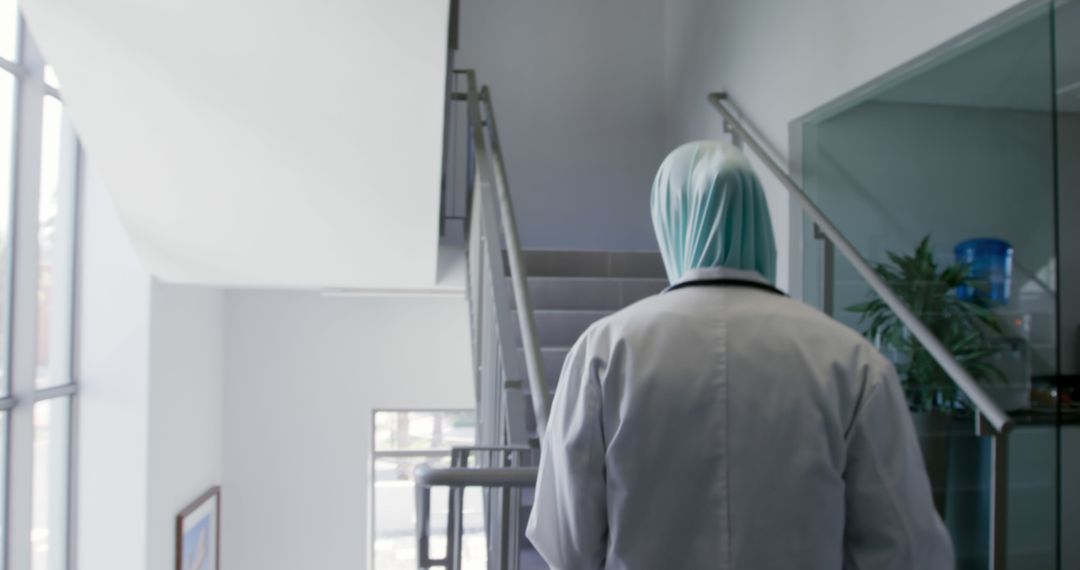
423, 518
999, 493
455, 515
828, 273
514, 499
470, 168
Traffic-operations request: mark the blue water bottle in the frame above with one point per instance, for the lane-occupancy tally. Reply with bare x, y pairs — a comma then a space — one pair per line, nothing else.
989, 262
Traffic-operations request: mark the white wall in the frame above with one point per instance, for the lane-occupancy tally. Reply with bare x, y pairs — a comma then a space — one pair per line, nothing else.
326, 115
149, 406
591, 95
578, 90
781, 59
113, 403
304, 374
186, 396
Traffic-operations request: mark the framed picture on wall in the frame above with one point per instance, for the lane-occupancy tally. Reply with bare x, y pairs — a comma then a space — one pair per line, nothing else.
198, 530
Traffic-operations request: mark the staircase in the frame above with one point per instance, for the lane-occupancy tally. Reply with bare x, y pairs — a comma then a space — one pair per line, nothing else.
570, 290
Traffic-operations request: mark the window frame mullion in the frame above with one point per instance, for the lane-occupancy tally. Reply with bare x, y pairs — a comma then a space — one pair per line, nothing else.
22, 358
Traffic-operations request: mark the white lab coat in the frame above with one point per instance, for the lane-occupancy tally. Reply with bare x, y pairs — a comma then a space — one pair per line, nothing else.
730, 427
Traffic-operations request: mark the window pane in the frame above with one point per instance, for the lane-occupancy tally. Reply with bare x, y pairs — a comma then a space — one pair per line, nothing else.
424, 430
9, 29
394, 496
55, 248
7, 137
49, 494
395, 517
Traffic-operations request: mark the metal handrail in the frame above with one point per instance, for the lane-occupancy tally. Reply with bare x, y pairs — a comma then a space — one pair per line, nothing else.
492, 167
507, 480
506, 477
485, 227
987, 408
526, 320
487, 477
502, 370
459, 456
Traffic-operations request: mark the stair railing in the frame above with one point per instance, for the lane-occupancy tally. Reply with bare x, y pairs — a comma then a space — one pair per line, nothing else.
497, 289
502, 476
493, 230
990, 420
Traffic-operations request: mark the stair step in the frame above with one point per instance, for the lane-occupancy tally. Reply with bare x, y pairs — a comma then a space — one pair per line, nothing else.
634, 290
552, 358
551, 263
591, 293
530, 558
561, 328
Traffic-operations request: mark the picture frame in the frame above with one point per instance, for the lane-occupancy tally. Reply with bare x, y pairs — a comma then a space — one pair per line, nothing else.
198, 533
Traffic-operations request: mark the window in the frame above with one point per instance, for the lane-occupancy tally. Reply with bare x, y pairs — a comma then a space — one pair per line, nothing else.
403, 440
39, 157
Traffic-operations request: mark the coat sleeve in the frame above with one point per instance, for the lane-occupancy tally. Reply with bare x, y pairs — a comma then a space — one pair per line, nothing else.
891, 521
568, 524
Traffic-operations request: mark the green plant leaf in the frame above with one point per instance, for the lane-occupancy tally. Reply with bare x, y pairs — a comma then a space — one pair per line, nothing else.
966, 328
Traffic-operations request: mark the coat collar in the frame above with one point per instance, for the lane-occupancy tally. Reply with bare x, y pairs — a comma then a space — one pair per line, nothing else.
705, 275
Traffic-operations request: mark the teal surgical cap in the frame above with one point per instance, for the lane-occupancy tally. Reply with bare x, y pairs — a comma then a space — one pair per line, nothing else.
709, 210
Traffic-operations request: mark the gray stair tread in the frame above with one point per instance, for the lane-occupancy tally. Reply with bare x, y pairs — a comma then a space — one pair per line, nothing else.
553, 358
556, 327
530, 558
594, 263
591, 293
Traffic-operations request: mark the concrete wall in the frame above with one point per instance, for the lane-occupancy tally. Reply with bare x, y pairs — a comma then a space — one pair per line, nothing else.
304, 374
579, 94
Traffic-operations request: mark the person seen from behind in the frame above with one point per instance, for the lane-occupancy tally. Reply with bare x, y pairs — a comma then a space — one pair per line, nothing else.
724, 425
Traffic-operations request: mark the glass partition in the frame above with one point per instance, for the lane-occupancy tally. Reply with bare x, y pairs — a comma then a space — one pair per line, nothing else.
1067, 84
944, 175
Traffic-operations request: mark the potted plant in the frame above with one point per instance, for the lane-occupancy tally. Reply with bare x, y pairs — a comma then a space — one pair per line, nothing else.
969, 329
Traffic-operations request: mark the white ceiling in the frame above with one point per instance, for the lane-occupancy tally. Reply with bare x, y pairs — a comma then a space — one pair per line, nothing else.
262, 142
